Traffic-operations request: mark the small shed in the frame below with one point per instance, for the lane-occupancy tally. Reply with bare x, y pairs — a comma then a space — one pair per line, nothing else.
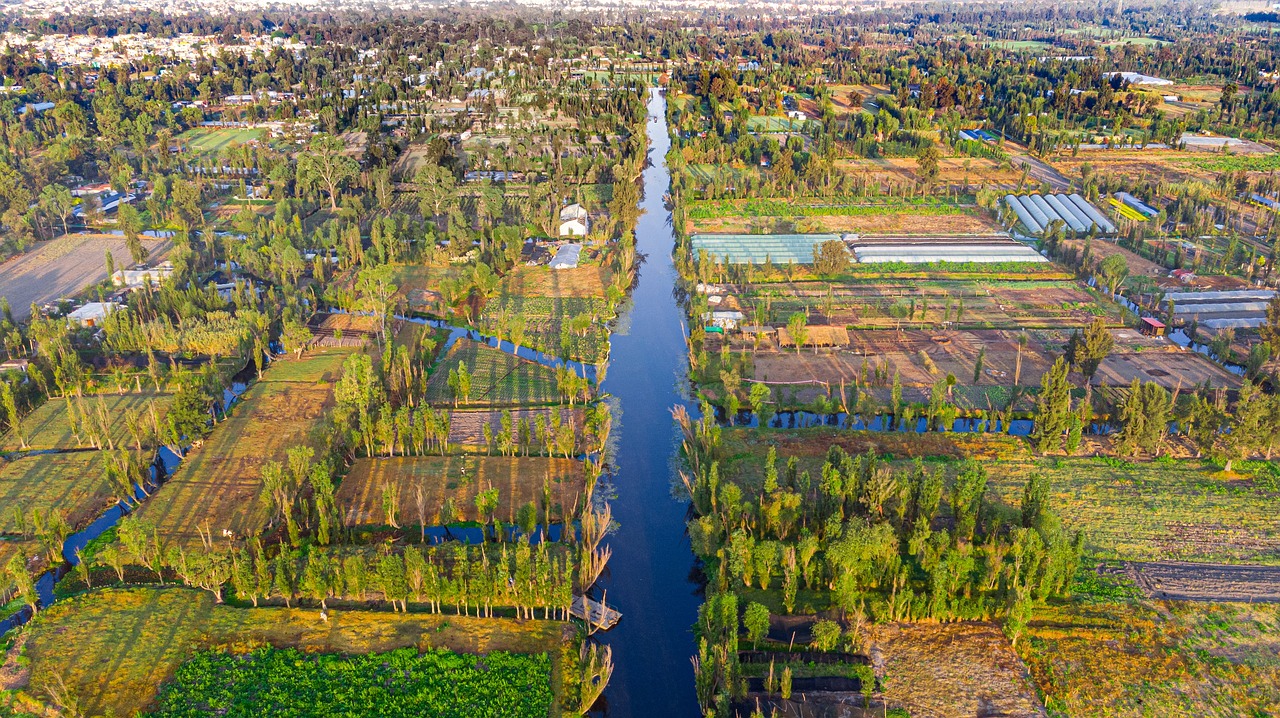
573, 228
1152, 327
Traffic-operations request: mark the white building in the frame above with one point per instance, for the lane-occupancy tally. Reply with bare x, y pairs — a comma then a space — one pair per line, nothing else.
92, 314
135, 278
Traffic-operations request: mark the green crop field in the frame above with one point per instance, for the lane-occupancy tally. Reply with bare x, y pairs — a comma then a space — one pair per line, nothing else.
49, 426
217, 487
73, 483
211, 140
112, 650
497, 378
853, 207
286, 682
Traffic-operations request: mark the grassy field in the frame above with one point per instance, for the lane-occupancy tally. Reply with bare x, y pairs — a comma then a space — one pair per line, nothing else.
217, 487
497, 378
1173, 510
49, 426
773, 123
113, 649
459, 478
73, 483
1113, 655
544, 321
211, 140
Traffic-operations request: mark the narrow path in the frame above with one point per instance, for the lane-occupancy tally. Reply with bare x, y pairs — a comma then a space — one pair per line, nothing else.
649, 576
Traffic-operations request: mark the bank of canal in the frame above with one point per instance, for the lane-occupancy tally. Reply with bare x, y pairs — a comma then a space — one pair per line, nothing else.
650, 577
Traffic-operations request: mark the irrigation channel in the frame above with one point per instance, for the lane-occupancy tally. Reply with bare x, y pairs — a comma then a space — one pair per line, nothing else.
651, 577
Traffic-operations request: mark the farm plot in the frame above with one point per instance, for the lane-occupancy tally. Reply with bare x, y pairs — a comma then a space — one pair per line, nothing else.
774, 123
211, 140
50, 425
580, 282
952, 670
217, 488
112, 649
72, 483
554, 486
497, 378
466, 428
572, 327
64, 267
1167, 366
1152, 511
892, 303
418, 287
1116, 656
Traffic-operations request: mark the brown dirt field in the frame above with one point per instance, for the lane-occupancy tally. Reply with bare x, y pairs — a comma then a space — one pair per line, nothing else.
1138, 266
949, 670
63, 267
466, 428
1169, 367
519, 481
951, 170
1184, 581
1135, 164
350, 323
354, 143
901, 352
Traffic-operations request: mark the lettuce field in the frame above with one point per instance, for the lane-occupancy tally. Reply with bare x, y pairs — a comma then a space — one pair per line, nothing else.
287, 682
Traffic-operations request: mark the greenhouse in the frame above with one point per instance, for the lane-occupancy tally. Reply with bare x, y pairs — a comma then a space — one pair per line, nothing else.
757, 248
928, 253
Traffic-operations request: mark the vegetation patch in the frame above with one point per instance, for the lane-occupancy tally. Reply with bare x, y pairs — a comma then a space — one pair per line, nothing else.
72, 484
493, 378
109, 650
75, 422
286, 682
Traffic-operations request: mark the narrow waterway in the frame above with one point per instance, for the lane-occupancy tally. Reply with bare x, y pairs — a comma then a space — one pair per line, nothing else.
650, 575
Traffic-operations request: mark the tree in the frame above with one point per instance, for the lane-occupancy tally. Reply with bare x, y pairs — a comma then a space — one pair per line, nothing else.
131, 224
1087, 351
927, 163
323, 166
57, 201
756, 621
826, 634
797, 327
1114, 270
830, 258
435, 190
1053, 405
1035, 500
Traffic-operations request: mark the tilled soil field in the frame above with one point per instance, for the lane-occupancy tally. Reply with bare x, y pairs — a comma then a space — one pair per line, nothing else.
1186, 581
63, 267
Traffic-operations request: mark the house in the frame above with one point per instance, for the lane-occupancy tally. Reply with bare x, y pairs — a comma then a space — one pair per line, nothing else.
15, 365
1152, 327
1186, 276
573, 221
92, 314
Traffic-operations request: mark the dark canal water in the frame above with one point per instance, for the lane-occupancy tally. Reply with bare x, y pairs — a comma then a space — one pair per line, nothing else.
650, 575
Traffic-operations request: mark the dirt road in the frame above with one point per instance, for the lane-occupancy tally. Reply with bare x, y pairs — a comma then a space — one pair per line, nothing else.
1041, 172
63, 267
1184, 581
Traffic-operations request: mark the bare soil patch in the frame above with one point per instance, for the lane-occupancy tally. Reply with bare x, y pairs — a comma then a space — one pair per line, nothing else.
1215, 582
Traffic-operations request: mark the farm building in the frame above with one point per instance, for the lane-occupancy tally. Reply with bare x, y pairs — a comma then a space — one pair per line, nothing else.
759, 248
135, 278
727, 319
566, 256
573, 221
1152, 327
92, 314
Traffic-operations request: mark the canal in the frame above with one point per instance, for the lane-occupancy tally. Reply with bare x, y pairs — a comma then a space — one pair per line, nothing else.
650, 577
